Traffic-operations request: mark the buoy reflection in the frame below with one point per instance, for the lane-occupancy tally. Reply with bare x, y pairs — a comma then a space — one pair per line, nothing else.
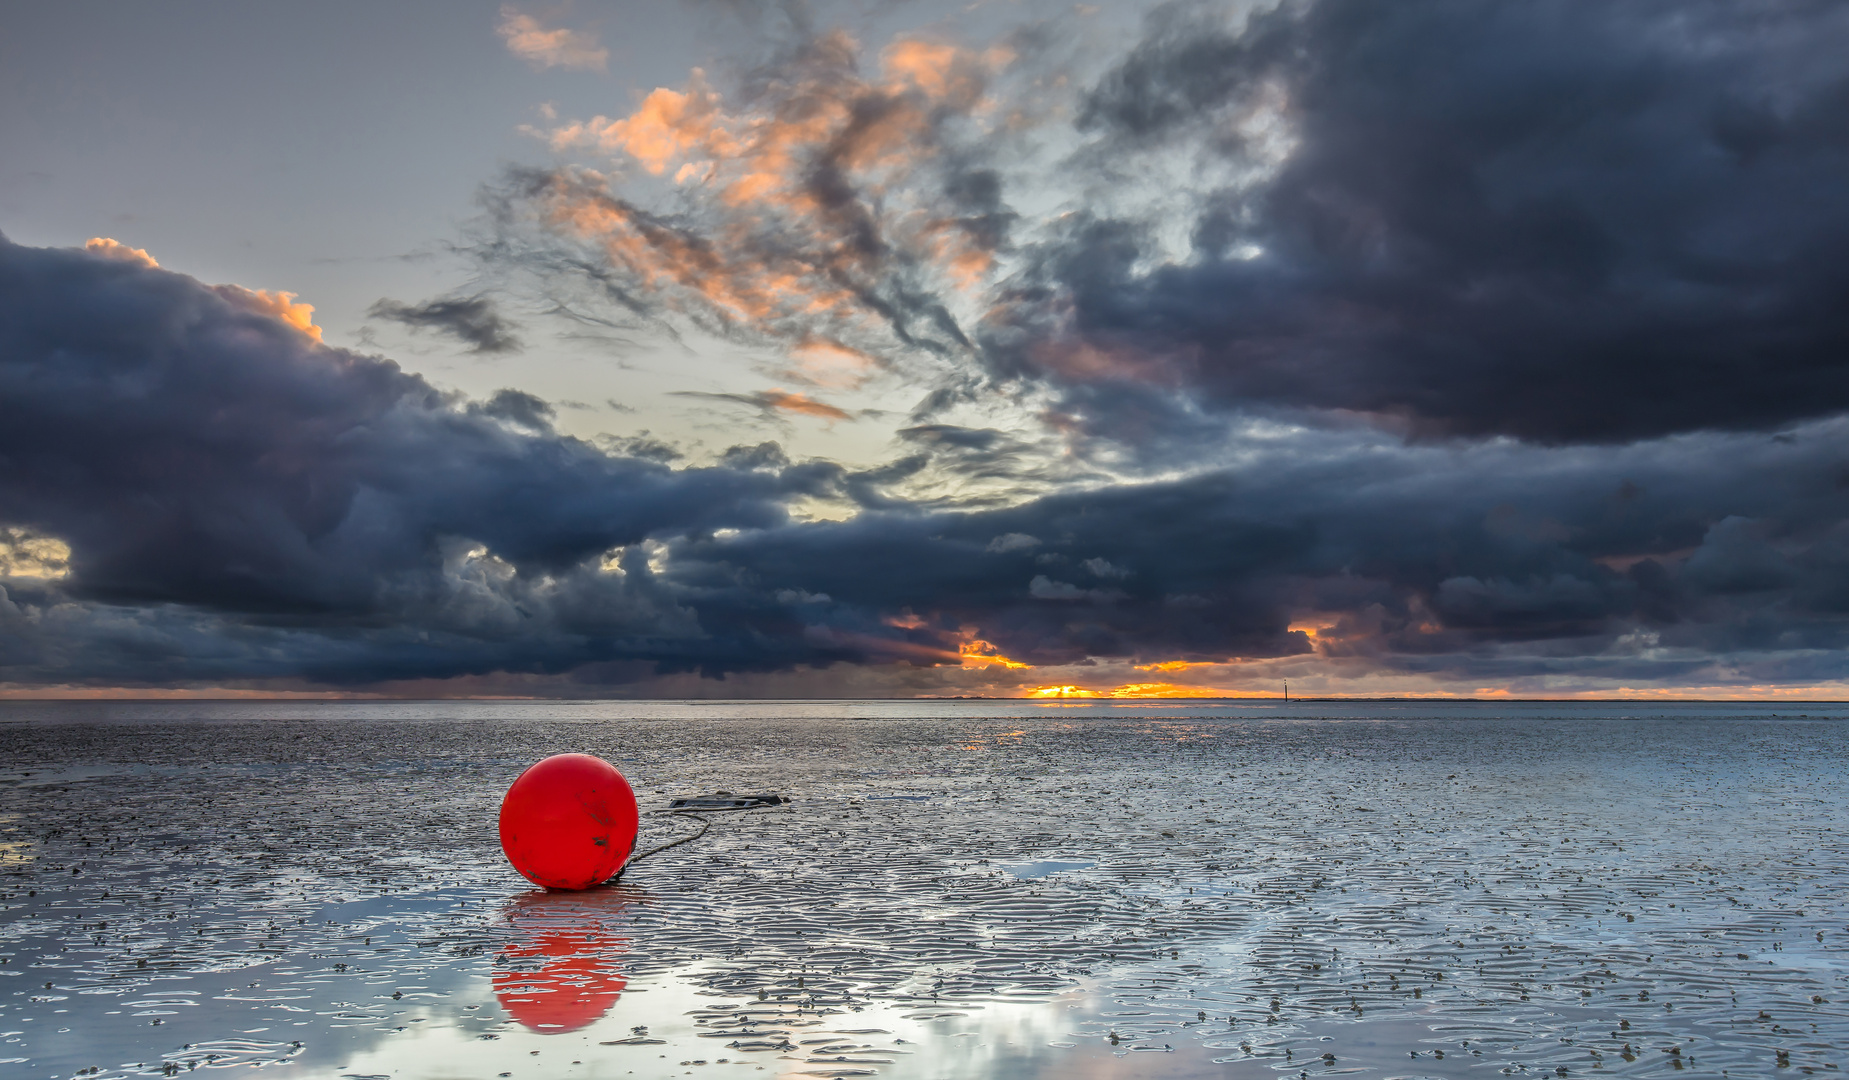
561, 968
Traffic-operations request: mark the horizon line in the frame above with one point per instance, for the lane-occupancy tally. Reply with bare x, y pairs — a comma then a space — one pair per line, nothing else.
336, 696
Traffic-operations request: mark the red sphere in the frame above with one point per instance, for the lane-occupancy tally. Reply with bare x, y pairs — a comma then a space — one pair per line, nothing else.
569, 822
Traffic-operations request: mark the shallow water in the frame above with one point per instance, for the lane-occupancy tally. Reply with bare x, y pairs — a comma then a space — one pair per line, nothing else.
969, 889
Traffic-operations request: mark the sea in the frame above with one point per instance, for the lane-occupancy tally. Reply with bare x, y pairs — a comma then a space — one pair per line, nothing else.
953, 889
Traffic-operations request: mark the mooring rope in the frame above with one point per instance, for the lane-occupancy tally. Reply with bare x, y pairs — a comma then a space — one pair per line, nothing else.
705, 824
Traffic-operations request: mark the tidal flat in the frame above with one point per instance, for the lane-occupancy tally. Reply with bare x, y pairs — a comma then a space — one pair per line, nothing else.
954, 890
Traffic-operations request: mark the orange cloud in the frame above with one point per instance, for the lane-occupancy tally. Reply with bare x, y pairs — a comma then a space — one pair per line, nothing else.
1140, 690
281, 305
801, 403
764, 251
669, 125
922, 64
531, 41
103, 245
1175, 690
734, 280
771, 401
942, 71
979, 653
830, 363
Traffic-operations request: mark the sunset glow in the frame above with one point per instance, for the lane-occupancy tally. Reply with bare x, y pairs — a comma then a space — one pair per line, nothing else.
978, 653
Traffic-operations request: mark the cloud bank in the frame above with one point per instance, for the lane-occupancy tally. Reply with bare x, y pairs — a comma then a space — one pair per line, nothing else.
195, 490
1427, 345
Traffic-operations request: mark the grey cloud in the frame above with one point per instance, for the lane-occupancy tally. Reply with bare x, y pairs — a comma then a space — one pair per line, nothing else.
1045, 588
772, 404
219, 474
642, 445
518, 408
472, 320
1564, 221
950, 435
1409, 549
1012, 542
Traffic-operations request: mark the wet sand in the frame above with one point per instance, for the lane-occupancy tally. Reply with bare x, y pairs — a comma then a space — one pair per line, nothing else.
956, 890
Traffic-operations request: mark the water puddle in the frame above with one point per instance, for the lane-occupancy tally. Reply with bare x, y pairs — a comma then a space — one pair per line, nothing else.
1040, 868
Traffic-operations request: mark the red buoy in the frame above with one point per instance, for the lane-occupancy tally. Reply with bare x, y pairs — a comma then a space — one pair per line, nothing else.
569, 822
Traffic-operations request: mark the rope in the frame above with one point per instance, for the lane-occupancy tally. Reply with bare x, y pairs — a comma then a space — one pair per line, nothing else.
705, 824
697, 815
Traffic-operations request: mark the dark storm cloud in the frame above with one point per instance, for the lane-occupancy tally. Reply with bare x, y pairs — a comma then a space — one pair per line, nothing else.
472, 320
187, 446
198, 455
1564, 221
1421, 560
194, 490
1016, 461
1559, 220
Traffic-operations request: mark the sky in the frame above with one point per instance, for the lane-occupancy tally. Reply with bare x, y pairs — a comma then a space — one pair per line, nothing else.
733, 349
